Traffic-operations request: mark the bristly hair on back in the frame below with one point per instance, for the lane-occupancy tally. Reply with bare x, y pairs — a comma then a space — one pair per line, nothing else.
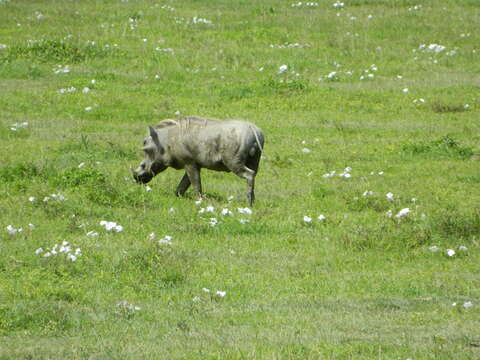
185, 121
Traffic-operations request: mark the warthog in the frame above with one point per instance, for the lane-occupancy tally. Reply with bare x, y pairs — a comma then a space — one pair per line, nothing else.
192, 143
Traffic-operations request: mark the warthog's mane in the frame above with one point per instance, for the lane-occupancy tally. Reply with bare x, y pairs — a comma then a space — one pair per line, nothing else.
184, 122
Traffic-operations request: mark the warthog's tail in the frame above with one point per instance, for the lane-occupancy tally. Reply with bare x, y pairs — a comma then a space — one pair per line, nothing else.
256, 138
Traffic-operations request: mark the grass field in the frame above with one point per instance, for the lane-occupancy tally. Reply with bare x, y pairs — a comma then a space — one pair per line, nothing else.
386, 93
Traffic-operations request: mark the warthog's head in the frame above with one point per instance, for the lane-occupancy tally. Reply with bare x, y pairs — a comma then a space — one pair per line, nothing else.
153, 162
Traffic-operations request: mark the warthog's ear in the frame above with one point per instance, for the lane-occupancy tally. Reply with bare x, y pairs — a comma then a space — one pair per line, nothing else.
155, 139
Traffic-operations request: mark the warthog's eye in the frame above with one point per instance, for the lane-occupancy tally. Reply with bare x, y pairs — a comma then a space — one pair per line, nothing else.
145, 142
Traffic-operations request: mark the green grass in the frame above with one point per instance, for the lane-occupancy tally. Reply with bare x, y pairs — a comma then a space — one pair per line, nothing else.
358, 285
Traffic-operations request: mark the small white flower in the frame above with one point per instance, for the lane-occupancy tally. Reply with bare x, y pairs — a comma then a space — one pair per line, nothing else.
32, 199
210, 209
402, 213
221, 293
201, 211
148, 188
38, 251
467, 304
321, 217
368, 193
226, 212
389, 213
405, 90
177, 112
205, 290
380, 173
230, 198
196, 299
81, 165
88, 108
245, 210
118, 228
389, 196
92, 233
307, 219
47, 254
166, 240
282, 69
462, 248
232, 252
213, 222
433, 248
152, 236
71, 257
450, 252
454, 304
243, 221
31, 226
86, 90
11, 230
306, 151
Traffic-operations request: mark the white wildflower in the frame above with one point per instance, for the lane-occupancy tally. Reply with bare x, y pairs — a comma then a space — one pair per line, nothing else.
92, 233
467, 304
221, 293
321, 217
306, 151
462, 248
307, 219
282, 69
38, 251
11, 230
226, 212
389, 196
450, 252
213, 222
205, 290
166, 240
368, 193
86, 90
405, 90
433, 248
402, 213
32, 199
245, 210
71, 257
243, 221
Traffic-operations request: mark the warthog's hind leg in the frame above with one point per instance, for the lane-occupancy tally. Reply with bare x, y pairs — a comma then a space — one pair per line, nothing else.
183, 185
249, 175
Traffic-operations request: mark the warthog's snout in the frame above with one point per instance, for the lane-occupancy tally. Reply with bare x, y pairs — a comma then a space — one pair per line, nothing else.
142, 178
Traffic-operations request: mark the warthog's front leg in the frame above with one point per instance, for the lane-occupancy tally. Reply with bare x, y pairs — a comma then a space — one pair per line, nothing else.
193, 173
183, 185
